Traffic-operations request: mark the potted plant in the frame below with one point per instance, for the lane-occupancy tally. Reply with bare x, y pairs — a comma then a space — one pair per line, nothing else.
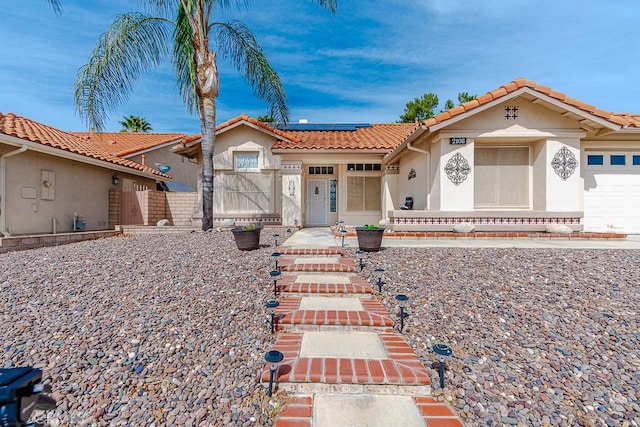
370, 237
247, 237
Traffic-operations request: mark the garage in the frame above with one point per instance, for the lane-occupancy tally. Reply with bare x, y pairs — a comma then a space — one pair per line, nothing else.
612, 192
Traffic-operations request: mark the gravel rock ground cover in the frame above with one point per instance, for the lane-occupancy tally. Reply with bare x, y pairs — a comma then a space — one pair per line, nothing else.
540, 337
146, 330
171, 329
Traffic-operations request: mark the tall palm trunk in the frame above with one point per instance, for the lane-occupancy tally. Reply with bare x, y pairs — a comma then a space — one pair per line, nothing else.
207, 85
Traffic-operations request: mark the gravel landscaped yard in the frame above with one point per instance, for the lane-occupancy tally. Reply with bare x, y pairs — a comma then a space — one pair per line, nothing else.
171, 329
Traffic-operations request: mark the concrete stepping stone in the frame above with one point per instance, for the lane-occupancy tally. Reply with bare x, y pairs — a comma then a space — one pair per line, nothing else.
330, 313
334, 284
318, 264
329, 410
347, 361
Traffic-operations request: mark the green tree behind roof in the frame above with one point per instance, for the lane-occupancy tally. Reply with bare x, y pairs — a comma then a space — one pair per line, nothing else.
420, 109
135, 124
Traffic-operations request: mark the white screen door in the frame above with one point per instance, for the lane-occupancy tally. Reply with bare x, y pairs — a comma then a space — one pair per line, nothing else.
317, 202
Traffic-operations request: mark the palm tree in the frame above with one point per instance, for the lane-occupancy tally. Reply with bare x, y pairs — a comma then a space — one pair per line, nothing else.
187, 31
135, 124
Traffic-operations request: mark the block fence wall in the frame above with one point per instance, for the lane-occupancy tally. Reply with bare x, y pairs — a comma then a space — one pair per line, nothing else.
178, 208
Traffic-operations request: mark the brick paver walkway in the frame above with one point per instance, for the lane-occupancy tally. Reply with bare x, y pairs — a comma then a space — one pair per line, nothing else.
386, 365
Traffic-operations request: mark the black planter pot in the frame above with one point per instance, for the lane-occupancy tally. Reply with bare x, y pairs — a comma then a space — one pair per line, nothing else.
369, 240
247, 240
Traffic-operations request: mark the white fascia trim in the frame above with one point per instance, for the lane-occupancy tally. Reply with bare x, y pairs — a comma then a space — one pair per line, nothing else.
57, 152
322, 151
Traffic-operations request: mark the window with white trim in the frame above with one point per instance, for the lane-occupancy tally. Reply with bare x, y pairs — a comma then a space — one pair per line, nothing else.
363, 193
246, 161
251, 192
501, 177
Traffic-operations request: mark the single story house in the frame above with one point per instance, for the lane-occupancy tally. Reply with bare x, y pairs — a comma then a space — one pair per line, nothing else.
48, 177
517, 158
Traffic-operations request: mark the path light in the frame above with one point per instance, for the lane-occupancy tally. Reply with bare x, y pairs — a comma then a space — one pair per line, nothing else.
275, 275
402, 300
444, 352
273, 357
341, 225
276, 236
360, 254
271, 306
379, 272
288, 232
276, 256
343, 232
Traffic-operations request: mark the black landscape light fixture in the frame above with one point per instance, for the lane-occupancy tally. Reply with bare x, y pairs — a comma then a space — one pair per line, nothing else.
402, 300
275, 275
276, 237
288, 232
341, 225
271, 306
379, 272
443, 352
343, 233
360, 254
273, 357
276, 256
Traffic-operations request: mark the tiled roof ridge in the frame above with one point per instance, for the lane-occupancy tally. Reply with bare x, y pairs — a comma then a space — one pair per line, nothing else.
31, 130
514, 86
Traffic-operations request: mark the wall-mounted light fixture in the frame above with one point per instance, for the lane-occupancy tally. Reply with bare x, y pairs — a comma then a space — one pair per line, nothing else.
47, 183
115, 180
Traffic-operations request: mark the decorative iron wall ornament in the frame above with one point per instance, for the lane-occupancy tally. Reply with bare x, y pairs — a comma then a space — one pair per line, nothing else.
564, 163
511, 112
457, 169
412, 174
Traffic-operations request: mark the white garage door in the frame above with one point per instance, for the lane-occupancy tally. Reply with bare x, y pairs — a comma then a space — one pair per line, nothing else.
612, 192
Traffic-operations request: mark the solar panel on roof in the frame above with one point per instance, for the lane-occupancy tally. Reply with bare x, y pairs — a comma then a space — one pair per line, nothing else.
327, 127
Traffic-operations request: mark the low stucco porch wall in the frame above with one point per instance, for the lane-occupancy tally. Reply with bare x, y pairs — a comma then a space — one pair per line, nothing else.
485, 220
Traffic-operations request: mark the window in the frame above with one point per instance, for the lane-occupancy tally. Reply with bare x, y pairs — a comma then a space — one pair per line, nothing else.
618, 160
595, 159
636, 160
246, 161
501, 177
248, 192
320, 170
364, 167
363, 193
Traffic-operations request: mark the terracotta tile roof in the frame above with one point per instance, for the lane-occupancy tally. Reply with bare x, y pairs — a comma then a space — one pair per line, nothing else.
380, 136
633, 119
23, 128
620, 119
122, 144
242, 117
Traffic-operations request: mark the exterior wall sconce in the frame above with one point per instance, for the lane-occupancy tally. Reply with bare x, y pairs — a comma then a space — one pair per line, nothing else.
360, 254
115, 180
402, 301
271, 306
275, 275
379, 272
443, 352
292, 188
47, 183
275, 256
272, 357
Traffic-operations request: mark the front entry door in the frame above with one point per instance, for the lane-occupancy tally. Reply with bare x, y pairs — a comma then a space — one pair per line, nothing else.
317, 202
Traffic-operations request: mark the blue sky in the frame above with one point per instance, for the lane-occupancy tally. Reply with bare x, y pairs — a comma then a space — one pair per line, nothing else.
361, 65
